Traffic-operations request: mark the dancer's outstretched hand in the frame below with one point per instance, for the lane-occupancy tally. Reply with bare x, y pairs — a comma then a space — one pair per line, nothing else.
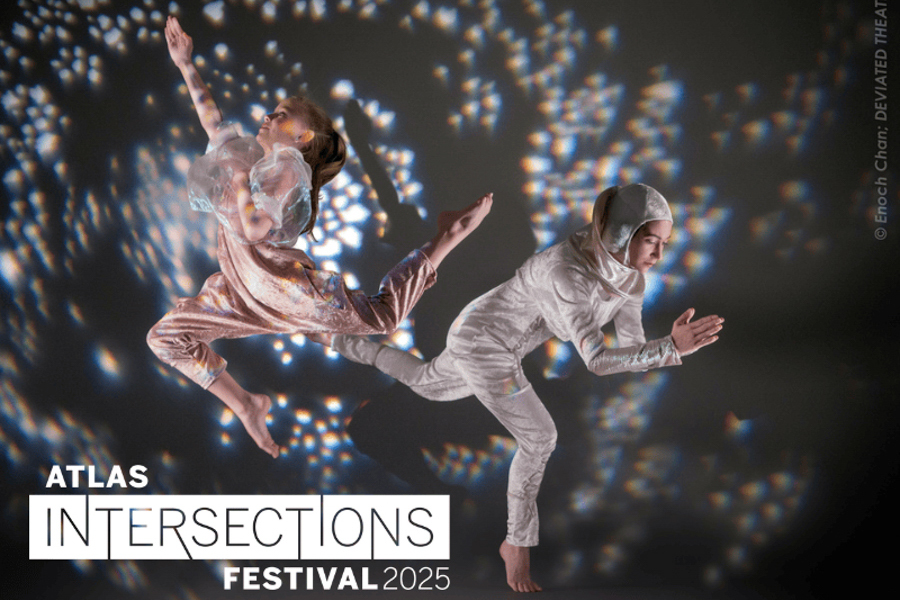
180, 44
690, 337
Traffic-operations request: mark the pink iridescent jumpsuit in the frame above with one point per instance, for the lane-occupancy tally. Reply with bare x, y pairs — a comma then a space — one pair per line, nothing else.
269, 286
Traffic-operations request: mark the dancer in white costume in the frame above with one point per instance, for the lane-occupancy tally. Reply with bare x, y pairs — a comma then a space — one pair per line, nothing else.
569, 291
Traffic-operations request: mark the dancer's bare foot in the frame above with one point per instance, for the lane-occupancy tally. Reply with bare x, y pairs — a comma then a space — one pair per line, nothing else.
251, 409
518, 567
454, 226
253, 416
325, 339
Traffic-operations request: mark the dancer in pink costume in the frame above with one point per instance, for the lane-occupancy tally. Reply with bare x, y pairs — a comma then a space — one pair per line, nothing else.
265, 193
570, 291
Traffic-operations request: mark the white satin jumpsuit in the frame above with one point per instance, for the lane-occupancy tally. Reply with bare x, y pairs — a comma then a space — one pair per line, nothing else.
570, 291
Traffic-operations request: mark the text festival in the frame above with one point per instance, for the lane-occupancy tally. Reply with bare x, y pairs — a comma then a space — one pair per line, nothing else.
246, 527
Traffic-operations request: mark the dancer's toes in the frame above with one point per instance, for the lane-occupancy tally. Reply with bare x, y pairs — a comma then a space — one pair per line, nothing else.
525, 586
518, 567
528, 586
254, 420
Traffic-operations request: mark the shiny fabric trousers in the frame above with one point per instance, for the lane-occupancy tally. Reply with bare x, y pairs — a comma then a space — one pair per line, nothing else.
264, 289
449, 377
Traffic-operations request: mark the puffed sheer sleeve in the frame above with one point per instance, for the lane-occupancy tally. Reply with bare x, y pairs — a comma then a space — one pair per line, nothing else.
583, 310
280, 186
209, 178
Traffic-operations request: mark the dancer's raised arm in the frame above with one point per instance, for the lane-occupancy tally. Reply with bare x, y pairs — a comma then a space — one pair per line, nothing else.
180, 49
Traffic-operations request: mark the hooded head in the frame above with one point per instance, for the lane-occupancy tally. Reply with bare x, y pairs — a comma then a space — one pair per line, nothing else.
619, 212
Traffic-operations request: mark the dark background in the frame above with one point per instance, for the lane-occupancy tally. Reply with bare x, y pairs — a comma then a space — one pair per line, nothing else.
769, 460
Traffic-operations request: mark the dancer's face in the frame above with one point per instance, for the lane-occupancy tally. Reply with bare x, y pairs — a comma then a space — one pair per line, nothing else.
647, 245
282, 127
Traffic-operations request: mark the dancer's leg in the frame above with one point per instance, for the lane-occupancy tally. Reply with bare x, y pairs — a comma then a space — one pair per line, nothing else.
528, 421
522, 413
437, 379
181, 339
518, 567
351, 311
251, 409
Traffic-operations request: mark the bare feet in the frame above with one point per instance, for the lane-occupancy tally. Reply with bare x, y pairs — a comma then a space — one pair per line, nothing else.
251, 409
253, 416
326, 339
518, 567
454, 227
